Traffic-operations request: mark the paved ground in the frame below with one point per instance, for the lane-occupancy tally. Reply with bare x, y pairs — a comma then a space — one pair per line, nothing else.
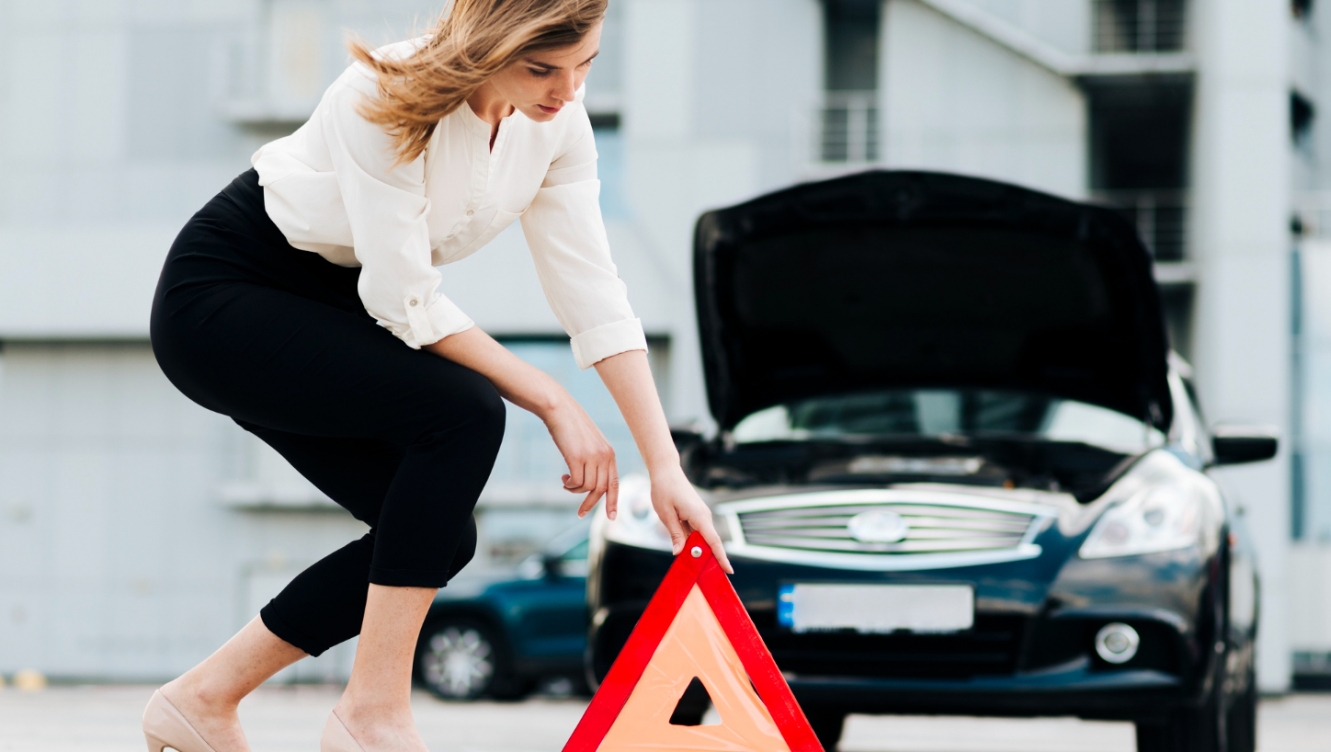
278, 719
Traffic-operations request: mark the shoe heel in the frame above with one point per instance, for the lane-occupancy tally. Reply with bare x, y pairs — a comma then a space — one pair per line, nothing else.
337, 737
165, 728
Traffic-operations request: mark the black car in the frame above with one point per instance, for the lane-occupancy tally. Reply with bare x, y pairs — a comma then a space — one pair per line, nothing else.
958, 469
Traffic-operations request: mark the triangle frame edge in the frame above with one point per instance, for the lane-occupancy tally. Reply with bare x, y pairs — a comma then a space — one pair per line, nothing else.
757, 660
651, 628
638, 650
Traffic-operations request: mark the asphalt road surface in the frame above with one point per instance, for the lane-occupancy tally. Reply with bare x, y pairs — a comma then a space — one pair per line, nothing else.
289, 719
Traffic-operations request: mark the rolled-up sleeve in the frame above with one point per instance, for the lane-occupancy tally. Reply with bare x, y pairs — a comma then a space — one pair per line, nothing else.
387, 210
568, 243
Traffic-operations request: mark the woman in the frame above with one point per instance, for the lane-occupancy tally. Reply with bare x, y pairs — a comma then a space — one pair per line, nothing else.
302, 302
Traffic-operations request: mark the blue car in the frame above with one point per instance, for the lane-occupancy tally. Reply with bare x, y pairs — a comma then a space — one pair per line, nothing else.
499, 636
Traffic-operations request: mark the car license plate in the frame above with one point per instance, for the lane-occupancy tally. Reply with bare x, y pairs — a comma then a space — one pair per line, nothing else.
875, 609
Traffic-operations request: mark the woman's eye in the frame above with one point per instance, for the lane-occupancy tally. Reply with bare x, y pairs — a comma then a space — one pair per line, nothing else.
539, 72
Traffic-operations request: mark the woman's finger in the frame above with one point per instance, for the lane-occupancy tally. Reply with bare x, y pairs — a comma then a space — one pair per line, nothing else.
588, 477
603, 473
598, 490
612, 493
672, 525
708, 531
576, 474
588, 503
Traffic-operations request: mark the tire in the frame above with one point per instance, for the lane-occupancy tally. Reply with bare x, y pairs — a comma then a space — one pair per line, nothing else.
1200, 729
827, 725
459, 659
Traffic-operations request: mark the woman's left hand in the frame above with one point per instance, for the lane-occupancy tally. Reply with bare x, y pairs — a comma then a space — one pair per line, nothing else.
682, 512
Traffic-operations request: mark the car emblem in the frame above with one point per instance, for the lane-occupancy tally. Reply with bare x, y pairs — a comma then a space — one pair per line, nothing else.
878, 526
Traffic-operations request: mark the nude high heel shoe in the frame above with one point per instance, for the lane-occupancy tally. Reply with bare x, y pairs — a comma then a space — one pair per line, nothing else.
337, 737
165, 728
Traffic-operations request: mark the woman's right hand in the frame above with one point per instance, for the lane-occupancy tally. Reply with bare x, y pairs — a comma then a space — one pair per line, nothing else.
590, 458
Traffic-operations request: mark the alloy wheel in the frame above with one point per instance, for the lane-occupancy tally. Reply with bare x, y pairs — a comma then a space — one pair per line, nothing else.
458, 661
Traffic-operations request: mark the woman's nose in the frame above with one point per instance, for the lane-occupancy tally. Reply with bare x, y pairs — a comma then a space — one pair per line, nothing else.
568, 87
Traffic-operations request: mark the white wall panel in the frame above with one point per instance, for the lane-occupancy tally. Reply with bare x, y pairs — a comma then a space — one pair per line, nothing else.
33, 115
957, 101
116, 557
85, 282
1065, 24
1310, 614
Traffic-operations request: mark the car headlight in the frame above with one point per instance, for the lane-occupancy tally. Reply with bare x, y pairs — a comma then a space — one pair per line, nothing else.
637, 523
1160, 518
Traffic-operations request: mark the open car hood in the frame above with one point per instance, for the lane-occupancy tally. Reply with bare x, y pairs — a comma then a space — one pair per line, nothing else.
916, 279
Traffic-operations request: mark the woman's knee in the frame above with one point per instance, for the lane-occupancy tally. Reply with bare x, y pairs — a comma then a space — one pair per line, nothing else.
466, 550
469, 403
491, 412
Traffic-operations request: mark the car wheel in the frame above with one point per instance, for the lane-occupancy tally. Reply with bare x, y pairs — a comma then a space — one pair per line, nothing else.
1199, 729
827, 726
459, 659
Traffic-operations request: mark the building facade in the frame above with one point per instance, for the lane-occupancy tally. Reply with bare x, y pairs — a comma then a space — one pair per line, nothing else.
137, 531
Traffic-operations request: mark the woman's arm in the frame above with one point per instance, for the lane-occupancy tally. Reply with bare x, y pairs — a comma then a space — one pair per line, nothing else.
629, 379
590, 458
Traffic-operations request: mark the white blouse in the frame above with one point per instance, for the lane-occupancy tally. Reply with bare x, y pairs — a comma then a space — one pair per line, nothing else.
331, 188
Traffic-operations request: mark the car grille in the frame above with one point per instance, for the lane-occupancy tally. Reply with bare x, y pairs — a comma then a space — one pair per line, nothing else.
932, 528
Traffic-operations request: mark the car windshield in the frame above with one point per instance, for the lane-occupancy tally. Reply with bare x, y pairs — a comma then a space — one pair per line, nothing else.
909, 413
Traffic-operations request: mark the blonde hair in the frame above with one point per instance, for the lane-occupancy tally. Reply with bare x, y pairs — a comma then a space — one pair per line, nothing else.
472, 41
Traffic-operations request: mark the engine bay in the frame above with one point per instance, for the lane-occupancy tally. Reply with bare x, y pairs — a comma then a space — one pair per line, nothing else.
1076, 468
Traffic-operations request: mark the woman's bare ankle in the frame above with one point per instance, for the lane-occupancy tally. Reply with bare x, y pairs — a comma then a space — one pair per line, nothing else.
364, 710
196, 692
377, 725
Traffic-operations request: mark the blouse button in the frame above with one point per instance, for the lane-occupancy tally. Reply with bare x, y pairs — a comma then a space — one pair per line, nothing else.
471, 212
413, 301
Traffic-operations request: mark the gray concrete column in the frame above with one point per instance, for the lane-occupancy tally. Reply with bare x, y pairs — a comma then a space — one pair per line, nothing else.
1242, 245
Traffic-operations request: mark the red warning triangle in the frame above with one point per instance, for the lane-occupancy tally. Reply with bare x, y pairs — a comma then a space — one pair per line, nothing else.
695, 626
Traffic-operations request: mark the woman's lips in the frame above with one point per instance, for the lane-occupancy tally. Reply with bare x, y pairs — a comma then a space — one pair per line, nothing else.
549, 110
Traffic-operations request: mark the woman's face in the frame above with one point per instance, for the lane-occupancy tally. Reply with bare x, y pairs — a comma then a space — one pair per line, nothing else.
541, 83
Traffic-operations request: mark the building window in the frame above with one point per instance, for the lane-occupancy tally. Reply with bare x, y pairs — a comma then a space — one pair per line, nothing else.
610, 167
1138, 25
1139, 159
848, 120
1301, 114
274, 73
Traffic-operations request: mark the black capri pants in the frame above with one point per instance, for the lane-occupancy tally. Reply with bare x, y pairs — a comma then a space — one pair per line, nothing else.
277, 339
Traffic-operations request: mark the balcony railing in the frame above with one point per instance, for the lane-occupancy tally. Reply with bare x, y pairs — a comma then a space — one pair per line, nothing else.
1138, 25
847, 127
1160, 216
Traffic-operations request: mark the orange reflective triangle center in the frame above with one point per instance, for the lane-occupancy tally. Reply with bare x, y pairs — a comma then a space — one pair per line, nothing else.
695, 645
695, 626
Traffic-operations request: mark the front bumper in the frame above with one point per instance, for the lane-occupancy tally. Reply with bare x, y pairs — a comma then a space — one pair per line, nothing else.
1022, 658
1077, 691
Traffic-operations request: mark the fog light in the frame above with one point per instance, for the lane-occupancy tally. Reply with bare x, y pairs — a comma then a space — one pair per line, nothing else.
1116, 643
